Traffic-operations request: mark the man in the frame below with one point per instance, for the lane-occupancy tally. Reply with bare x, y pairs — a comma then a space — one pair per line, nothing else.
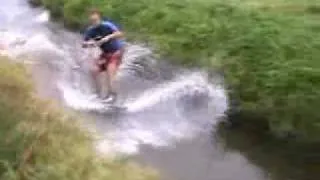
108, 37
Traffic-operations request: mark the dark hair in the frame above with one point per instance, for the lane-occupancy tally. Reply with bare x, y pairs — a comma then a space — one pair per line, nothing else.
95, 11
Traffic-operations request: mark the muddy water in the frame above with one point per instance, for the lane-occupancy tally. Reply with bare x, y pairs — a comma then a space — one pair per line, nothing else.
172, 112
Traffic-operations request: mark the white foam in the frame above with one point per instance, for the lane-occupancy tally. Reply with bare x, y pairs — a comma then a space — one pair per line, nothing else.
184, 84
78, 100
43, 17
41, 42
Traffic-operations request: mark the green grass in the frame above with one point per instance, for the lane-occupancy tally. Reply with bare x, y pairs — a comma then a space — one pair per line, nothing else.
268, 49
40, 142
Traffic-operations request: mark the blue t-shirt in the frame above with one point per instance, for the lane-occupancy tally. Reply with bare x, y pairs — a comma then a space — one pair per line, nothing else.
111, 21
104, 29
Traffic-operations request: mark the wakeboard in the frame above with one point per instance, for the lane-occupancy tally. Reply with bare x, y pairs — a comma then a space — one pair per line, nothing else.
110, 109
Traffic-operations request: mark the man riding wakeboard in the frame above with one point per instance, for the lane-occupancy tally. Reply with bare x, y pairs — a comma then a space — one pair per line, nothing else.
108, 37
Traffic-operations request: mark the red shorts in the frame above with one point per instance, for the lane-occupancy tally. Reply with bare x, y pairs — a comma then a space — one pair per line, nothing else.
107, 59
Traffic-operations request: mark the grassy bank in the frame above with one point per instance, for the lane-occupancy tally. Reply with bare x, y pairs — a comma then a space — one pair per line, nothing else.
39, 142
267, 49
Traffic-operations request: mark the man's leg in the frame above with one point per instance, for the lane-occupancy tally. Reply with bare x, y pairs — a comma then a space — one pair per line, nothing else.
96, 69
95, 80
112, 72
112, 69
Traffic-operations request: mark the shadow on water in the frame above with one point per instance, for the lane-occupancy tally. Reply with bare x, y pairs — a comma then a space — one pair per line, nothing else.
280, 160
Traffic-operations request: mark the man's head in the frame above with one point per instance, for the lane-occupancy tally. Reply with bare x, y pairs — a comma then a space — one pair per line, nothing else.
95, 17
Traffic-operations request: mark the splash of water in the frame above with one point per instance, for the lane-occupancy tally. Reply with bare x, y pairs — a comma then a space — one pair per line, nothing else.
158, 117
186, 85
43, 17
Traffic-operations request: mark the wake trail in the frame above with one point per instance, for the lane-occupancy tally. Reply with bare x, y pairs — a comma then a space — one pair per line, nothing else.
184, 88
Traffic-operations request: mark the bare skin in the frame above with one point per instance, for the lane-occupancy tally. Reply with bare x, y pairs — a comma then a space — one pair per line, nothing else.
95, 75
112, 70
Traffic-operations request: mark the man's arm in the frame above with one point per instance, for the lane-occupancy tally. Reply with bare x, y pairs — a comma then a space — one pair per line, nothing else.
87, 38
116, 33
